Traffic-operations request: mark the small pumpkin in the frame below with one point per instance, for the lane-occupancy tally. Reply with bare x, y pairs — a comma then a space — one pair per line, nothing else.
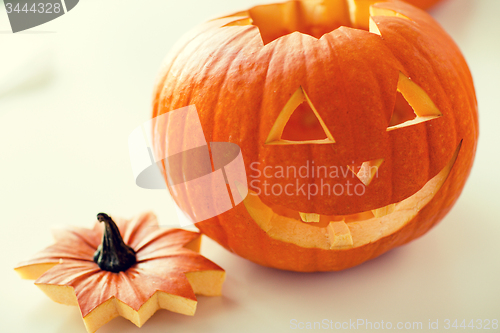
150, 268
372, 100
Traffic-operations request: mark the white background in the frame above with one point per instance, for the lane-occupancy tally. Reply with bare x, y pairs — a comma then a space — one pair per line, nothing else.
73, 89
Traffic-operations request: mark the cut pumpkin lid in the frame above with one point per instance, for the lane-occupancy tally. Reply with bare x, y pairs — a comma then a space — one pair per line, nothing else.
167, 274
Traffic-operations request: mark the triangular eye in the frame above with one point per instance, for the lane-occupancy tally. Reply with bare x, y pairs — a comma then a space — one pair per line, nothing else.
367, 170
299, 123
413, 105
403, 111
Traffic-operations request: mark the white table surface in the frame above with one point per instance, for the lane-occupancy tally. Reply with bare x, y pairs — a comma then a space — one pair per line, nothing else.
73, 89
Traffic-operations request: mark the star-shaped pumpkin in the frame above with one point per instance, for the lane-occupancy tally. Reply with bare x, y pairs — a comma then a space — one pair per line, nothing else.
131, 269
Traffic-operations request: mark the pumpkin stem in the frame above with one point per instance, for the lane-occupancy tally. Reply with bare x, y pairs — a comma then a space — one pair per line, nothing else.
113, 254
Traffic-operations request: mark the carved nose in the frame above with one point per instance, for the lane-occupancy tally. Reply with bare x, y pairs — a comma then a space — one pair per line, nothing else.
367, 170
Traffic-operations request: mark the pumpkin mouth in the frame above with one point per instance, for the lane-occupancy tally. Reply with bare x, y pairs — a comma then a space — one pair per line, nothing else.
312, 230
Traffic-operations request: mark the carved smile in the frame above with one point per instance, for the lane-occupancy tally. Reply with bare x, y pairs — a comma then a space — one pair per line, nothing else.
346, 231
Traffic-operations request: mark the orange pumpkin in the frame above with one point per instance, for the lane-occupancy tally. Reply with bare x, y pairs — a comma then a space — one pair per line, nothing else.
424, 4
372, 100
148, 269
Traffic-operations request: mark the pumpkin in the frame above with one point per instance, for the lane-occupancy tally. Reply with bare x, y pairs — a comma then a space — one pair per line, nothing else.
357, 123
424, 4
134, 276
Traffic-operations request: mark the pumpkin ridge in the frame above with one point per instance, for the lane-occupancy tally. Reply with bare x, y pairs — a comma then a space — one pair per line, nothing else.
306, 70
61, 272
270, 54
102, 280
453, 116
178, 260
161, 80
159, 234
203, 75
132, 231
222, 81
227, 66
166, 251
54, 253
174, 283
176, 79
138, 293
335, 55
61, 235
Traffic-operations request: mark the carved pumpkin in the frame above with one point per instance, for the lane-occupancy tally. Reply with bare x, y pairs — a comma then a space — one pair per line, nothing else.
357, 122
161, 269
424, 4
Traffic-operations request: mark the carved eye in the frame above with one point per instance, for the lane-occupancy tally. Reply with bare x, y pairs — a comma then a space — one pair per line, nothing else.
299, 123
413, 105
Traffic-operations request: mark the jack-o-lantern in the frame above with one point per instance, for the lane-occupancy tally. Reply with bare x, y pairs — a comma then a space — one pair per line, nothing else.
357, 121
424, 4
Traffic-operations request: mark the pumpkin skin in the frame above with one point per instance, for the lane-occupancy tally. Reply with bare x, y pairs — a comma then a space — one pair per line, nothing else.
424, 4
240, 85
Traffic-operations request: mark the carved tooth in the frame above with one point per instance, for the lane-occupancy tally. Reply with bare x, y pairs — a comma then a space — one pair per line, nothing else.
339, 235
384, 210
309, 217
